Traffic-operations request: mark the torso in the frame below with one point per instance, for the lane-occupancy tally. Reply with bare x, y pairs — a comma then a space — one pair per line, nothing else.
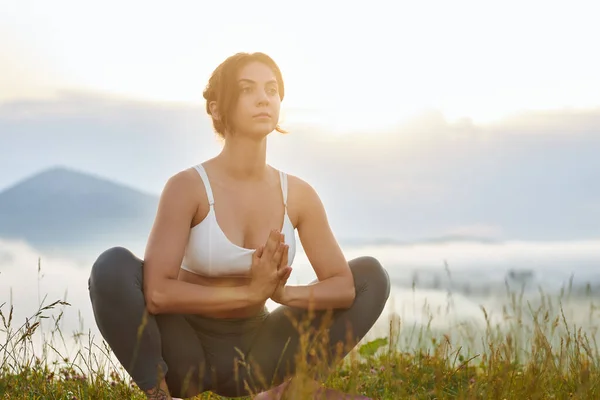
245, 212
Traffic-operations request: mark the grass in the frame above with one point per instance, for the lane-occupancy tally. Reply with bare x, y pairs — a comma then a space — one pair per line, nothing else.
530, 353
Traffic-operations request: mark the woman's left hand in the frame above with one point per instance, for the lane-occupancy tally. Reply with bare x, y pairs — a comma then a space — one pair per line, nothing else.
278, 295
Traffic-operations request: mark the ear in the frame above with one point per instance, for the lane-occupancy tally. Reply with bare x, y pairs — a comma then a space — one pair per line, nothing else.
214, 112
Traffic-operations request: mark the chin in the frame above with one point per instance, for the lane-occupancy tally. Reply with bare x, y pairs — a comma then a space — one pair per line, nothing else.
261, 132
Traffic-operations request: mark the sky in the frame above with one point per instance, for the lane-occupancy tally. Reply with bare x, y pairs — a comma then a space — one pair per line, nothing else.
529, 178
361, 65
413, 98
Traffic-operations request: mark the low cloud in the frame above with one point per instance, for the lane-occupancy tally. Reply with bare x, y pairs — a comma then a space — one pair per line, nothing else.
533, 176
481, 231
29, 279
477, 276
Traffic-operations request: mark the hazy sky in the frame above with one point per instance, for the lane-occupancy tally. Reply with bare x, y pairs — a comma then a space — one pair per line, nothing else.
531, 177
114, 89
346, 62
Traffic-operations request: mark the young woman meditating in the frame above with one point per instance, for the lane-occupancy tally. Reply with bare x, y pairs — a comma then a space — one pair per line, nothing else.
190, 316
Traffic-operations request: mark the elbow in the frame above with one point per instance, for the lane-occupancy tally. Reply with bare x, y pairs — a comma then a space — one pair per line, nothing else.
157, 295
154, 304
152, 307
349, 294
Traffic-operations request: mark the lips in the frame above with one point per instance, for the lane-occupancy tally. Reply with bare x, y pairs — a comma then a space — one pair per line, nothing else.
262, 115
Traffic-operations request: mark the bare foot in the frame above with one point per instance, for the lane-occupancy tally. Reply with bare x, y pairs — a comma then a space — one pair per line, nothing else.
272, 394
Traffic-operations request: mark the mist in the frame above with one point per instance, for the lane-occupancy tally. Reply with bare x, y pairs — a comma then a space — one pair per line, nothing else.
529, 177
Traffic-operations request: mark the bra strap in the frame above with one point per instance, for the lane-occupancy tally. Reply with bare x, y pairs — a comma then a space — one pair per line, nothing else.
284, 187
204, 177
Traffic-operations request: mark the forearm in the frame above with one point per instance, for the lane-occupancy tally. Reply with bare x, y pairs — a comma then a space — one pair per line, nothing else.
174, 296
333, 293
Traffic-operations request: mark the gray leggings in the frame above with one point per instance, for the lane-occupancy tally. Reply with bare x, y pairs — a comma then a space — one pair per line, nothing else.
199, 354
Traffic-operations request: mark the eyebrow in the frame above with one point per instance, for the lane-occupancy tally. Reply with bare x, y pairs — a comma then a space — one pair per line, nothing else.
246, 80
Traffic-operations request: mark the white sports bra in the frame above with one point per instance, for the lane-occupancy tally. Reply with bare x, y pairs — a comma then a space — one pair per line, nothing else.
210, 253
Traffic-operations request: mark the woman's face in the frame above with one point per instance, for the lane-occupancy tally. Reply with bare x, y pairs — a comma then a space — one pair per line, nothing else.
257, 110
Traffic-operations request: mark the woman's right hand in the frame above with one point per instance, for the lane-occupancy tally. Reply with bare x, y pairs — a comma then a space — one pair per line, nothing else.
265, 272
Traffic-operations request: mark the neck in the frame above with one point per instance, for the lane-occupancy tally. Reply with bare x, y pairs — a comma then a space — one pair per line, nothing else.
244, 158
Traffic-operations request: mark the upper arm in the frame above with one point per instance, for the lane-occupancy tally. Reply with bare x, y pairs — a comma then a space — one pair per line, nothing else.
321, 247
170, 231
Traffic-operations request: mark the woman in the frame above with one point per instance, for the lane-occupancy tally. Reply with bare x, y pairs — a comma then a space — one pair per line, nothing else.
191, 317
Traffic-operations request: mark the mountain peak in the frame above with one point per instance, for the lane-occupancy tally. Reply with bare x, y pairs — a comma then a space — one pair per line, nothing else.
61, 178
63, 205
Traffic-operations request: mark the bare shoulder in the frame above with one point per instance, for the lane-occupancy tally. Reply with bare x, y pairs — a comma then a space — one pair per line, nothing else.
180, 179
183, 194
314, 231
170, 231
183, 183
298, 187
304, 198
186, 183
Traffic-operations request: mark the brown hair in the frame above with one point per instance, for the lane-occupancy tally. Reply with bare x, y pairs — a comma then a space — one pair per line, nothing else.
222, 87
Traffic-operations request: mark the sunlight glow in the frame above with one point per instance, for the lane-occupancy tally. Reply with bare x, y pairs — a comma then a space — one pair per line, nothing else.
339, 122
367, 71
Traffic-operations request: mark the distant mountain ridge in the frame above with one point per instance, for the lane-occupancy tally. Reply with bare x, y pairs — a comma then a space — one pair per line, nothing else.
383, 241
62, 207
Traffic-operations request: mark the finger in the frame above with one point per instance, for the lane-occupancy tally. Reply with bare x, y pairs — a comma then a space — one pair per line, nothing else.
284, 257
272, 243
284, 279
259, 252
277, 255
284, 273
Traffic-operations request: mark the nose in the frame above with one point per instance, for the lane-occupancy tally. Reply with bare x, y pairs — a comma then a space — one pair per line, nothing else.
262, 97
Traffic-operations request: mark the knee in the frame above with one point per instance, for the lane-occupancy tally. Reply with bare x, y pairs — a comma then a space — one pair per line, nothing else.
115, 268
369, 273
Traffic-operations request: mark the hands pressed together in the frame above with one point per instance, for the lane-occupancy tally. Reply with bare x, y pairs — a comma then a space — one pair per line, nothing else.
270, 270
